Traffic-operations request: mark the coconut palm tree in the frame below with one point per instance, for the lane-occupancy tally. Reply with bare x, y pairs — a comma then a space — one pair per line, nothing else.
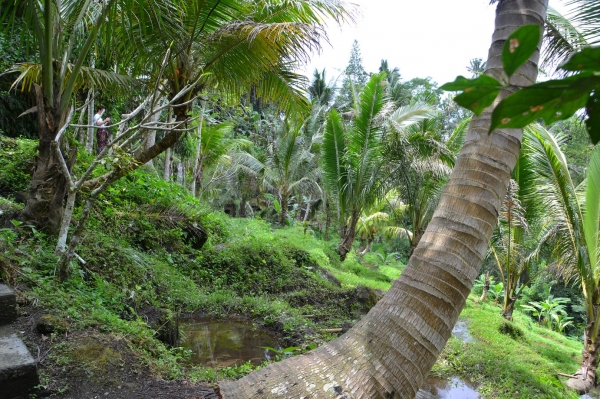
228, 44
390, 351
353, 157
235, 47
56, 30
570, 226
419, 162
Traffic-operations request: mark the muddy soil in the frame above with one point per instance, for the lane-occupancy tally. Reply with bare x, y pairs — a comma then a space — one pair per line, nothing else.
100, 366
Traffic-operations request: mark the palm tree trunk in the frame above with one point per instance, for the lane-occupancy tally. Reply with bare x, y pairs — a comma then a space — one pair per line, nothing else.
284, 208
167, 165
327, 220
509, 298
390, 351
91, 132
48, 185
367, 247
486, 287
348, 236
586, 375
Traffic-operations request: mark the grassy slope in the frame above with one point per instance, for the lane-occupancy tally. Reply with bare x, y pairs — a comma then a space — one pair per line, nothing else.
134, 261
503, 367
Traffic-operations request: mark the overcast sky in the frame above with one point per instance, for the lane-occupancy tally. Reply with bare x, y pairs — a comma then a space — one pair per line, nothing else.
423, 38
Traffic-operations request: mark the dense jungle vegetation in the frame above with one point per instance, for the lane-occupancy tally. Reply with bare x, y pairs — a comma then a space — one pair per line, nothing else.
232, 187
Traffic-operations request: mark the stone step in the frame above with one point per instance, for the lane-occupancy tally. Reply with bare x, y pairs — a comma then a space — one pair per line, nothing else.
18, 374
8, 305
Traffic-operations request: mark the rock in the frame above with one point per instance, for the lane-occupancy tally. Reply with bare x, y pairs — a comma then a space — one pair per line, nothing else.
164, 322
367, 296
579, 385
48, 324
325, 274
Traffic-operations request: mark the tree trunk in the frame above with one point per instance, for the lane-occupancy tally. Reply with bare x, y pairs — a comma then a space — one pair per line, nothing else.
348, 236
307, 211
389, 353
151, 137
284, 206
414, 241
509, 298
327, 220
48, 185
91, 132
367, 248
586, 375
196, 179
508, 307
167, 165
486, 287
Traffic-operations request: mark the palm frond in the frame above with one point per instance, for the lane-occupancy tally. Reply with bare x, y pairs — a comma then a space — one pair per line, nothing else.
592, 212
561, 39
586, 14
113, 83
335, 172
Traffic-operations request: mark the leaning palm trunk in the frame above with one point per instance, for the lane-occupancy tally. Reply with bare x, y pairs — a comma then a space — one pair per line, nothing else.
389, 353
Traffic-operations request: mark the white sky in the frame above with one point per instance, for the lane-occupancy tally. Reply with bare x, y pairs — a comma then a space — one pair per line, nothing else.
422, 38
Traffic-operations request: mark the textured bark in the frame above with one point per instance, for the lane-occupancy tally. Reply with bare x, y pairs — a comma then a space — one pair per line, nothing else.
151, 137
284, 208
327, 221
586, 375
390, 351
48, 185
414, 241
348, 236
486, 287
509, 297
91, 132
167, 165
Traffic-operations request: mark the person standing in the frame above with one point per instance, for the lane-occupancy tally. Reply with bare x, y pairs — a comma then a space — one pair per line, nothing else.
102, 133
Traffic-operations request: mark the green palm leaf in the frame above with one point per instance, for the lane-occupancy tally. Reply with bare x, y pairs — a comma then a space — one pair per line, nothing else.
592, 212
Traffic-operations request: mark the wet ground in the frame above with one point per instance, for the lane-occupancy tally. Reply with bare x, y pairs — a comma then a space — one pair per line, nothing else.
593, 394
461, 331
439, 388
226, 343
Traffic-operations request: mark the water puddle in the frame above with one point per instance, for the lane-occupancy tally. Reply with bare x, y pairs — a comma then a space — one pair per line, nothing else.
593, 394
226, 343
461, 331
439, 388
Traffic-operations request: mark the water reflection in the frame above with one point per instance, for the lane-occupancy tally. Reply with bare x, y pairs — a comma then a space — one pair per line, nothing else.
225, 343
593, 394
438, 388
461, 331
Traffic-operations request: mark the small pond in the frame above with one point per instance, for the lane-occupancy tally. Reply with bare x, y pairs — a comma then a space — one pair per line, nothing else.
439, 388
225, 343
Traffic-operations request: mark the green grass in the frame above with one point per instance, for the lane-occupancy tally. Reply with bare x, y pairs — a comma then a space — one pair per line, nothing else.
503, 367
352, 271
